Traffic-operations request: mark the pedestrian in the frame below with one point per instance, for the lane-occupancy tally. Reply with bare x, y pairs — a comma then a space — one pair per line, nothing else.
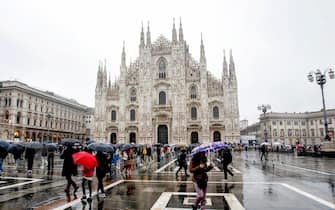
44, 154
51, 156
226, 159
101, 171
29, 156
182, 162
199, 168
69, 170
125, 162
87, 176
149, 154
263, 151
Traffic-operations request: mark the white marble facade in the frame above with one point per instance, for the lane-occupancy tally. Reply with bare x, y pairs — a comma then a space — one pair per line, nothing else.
166, 96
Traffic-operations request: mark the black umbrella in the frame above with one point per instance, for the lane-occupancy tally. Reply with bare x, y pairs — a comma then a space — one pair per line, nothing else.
51, 146
101, 147
90, 142
4, 144
33, 145
70, 142
126, 147
16, 148
118, 146
157, 145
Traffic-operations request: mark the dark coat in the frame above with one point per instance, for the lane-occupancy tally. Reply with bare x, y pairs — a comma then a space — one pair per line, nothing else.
30, 153
226, 157
69, 168
102, 164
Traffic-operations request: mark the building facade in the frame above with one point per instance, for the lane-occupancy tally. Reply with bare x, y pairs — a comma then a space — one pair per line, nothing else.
291, 128
166, 96
89, 122
27, 113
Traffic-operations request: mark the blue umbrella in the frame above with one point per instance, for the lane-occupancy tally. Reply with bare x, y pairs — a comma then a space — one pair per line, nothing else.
51, 146
16, 148
33, 145
4, 144
101, 147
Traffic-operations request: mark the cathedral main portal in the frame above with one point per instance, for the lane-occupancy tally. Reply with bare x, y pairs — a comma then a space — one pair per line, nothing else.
162, 134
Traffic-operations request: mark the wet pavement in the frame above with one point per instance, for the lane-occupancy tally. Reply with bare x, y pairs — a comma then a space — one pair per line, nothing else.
284, 181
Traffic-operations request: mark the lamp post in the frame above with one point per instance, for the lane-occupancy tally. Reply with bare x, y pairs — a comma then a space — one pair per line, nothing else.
321, 80
264, 108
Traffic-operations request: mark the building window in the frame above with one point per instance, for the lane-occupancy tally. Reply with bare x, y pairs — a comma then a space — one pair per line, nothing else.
162, 69
296, 122
9, 102
34, 122
303, 132
288, 122
28, 121
216, 112
133, 94
162, 97
321, 122
297, 133
311, 122
273, 122
280, 122
18, 118
17, 102
193, 92
282, 133
329, 121
289, 132
132, 115
274, 132
7, 115
321, 132
193, 113
113, 115
312, 132
303, 123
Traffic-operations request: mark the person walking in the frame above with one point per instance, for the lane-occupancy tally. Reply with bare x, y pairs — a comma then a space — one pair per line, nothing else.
29, 156
44, 154
263, 151
51, 156
149, 154
87, 176
182, 162
101, 171
69, 170
226, 159
199, 169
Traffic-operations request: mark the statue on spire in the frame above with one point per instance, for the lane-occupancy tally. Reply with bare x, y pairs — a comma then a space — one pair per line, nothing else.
148, 36
123, 57
202, 52
142, 44
174, 33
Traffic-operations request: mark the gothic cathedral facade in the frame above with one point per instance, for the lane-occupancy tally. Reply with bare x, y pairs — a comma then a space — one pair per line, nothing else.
166, 96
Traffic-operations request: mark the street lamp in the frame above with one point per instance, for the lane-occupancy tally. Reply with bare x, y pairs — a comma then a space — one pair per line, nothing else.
321, 80
264, 108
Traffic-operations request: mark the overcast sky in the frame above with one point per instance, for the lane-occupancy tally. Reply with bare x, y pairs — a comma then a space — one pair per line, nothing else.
56, 45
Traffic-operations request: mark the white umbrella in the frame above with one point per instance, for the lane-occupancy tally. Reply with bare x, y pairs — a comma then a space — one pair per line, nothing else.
265, 143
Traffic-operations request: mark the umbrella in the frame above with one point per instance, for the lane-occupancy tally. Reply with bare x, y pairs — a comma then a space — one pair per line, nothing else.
219, 145
70, 142
101, 147
90, 142
33, 145
126, 147
118, 145
157, 145
166, 145
51, 146
4, 145
85, 159
16, 148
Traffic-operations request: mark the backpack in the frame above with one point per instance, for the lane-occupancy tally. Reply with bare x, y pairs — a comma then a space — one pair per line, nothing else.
144, 152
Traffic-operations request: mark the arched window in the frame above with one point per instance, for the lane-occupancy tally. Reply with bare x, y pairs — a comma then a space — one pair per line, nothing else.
18, 118
7, 115
113, 115
216, 136
193, 92
162, 69
132, 115
21, 103
162, 97
133, 94
17, 102
216, 112
193, 113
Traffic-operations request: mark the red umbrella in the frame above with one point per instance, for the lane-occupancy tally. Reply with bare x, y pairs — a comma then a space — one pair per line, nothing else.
85, 159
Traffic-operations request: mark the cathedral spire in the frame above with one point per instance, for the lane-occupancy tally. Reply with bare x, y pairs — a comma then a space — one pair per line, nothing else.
181, 35
225, 67
123, 57
98, 86
231, 66
148, 36
109, 80
142, 37
202, 52
174, 33
104, 81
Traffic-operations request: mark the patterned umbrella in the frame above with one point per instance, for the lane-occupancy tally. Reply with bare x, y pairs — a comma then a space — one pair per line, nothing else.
85, 159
